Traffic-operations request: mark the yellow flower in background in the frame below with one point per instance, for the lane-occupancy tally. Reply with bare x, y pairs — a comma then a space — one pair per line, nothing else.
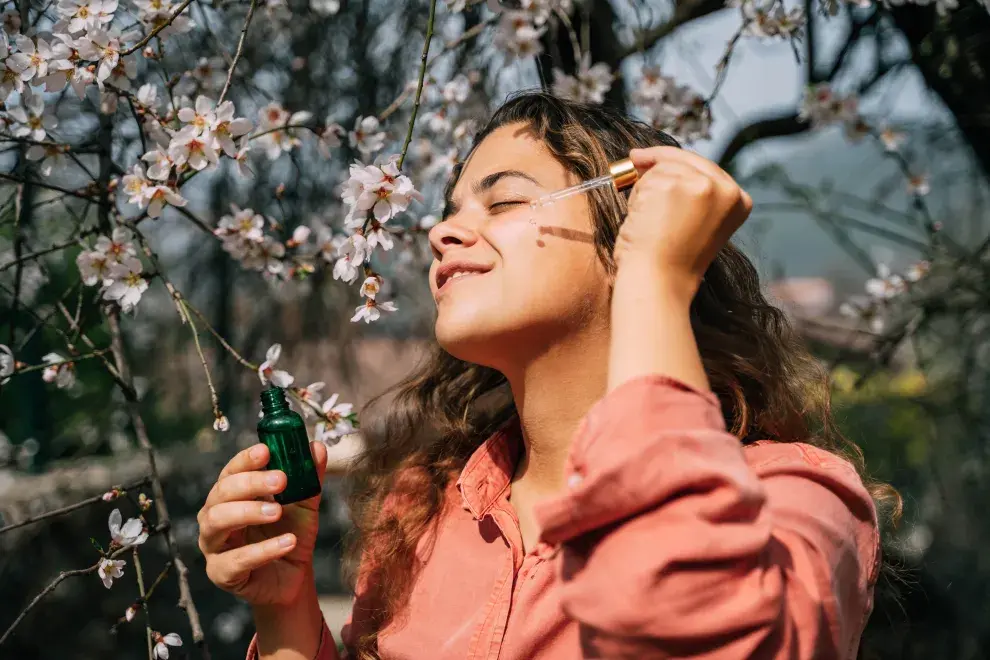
843, 379
909, 383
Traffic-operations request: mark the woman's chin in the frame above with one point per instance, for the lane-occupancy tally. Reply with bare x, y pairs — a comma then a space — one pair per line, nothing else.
469, 341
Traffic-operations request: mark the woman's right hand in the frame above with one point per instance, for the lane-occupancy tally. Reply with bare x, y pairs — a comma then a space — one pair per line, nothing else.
256, 548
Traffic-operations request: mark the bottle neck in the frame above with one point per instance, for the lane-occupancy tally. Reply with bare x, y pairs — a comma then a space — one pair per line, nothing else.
273, 400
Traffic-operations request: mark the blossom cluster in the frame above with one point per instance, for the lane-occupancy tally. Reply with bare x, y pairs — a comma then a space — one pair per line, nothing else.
822, 106
881, 290
114, 266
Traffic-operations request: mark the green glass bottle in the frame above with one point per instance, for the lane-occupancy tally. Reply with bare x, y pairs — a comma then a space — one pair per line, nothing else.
284, 432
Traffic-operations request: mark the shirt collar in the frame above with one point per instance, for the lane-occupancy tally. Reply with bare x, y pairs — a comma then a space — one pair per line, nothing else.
487, 474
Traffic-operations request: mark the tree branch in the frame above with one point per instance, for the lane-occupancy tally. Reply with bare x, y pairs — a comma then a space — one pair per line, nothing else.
238, 52
96, 499
137, 421
422, 77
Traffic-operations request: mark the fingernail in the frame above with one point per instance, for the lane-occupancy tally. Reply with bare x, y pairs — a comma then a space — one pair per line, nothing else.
257, 453
285, 541
272, 479
269, 509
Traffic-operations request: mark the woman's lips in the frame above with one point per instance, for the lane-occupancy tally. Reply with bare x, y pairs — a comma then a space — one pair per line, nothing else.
453, 280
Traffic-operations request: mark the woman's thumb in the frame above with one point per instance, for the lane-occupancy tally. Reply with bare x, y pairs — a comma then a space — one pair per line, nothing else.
320, 456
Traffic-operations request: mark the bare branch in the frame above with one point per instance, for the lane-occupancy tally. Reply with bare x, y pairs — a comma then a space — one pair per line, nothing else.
237, 53
137, 421
139, 575
54, 248
96, 499
151, 35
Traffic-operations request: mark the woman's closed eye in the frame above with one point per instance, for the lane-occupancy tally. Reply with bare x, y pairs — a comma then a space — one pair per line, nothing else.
505, 204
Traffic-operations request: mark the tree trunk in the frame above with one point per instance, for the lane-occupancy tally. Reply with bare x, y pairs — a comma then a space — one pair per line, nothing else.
952, 52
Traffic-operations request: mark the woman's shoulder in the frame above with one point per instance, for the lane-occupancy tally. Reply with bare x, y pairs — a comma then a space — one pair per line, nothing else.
770, 454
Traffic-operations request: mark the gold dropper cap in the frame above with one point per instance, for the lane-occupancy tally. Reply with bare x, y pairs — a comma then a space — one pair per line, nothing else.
624, 173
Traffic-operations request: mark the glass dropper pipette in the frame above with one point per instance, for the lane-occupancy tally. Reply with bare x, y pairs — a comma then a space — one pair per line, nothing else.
622, 174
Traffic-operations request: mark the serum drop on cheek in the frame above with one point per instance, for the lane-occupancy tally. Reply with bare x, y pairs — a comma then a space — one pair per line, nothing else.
284, 433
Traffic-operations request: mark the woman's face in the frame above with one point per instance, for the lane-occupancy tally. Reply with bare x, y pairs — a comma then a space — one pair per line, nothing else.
533, 277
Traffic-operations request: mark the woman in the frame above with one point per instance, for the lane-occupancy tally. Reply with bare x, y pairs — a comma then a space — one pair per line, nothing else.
618, 450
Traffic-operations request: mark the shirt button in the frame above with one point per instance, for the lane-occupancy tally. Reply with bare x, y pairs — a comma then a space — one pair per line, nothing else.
574, 480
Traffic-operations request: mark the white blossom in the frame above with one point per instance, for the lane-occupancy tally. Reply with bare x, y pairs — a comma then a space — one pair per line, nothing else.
48, 157
59, 371
351, 253
225, 128
221, 424
33, 120
366, 136
885, 285
160, 164
311, 394
7, 364
518, 36
267, 371
200, 119
32, 59
821, 106
272, 117
335, 424
371, 310
94, 267
130, 533
127, 285
118, 246
162, 642
99, 45
771, 19
371, 286
109, 570
590, 85
381, 189
330, 138
196, 149
85, 15
325, 7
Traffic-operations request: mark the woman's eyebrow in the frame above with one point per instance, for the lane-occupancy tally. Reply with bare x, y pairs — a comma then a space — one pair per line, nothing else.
485, 184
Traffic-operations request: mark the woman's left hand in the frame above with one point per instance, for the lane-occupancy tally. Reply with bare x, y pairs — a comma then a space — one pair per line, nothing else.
682, 211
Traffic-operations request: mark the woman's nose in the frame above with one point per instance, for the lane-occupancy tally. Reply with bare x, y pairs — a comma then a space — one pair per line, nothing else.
448, 234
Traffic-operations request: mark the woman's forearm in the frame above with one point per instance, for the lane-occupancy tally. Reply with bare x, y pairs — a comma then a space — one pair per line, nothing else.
651, 328
290, 632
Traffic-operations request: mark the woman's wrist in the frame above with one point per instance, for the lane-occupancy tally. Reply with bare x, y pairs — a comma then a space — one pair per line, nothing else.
651, 329
292, 631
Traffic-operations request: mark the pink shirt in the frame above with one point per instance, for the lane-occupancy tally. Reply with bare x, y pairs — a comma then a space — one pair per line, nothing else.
672, 540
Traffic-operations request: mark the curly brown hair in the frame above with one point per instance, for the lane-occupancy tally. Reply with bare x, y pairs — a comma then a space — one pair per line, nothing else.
769, 385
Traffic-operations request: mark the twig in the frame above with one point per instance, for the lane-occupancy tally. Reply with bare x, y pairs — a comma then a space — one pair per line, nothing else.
419, 86
49, 186
54, 248
69, 360
230, 349
151, 35
144, 481
214, 400
139, 574
237, 53
21, 213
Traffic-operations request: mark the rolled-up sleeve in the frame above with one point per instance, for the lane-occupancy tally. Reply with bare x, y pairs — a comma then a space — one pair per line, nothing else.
326, 651
676, 541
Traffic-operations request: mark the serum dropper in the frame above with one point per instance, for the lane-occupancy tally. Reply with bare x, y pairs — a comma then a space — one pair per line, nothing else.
622, 174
